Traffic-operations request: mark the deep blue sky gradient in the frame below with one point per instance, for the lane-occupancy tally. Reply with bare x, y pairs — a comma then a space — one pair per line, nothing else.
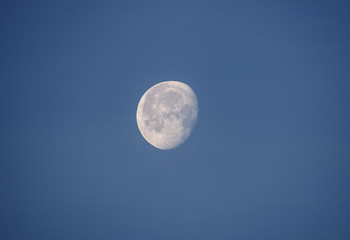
268, 159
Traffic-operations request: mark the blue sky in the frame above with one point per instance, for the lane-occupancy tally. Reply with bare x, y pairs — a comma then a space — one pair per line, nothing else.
268, 158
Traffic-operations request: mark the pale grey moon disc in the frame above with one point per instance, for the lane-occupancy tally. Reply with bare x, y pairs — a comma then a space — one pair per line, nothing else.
167, 114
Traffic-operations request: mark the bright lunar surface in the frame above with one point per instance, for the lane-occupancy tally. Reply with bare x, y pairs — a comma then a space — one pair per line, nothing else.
167, 113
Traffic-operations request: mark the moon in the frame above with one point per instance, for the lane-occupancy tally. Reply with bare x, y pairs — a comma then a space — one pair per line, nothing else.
167, 114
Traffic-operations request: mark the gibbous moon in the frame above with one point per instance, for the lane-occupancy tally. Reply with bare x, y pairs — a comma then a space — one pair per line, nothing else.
167, 113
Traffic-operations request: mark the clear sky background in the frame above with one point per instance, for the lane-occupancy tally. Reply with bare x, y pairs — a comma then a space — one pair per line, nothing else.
268, 159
